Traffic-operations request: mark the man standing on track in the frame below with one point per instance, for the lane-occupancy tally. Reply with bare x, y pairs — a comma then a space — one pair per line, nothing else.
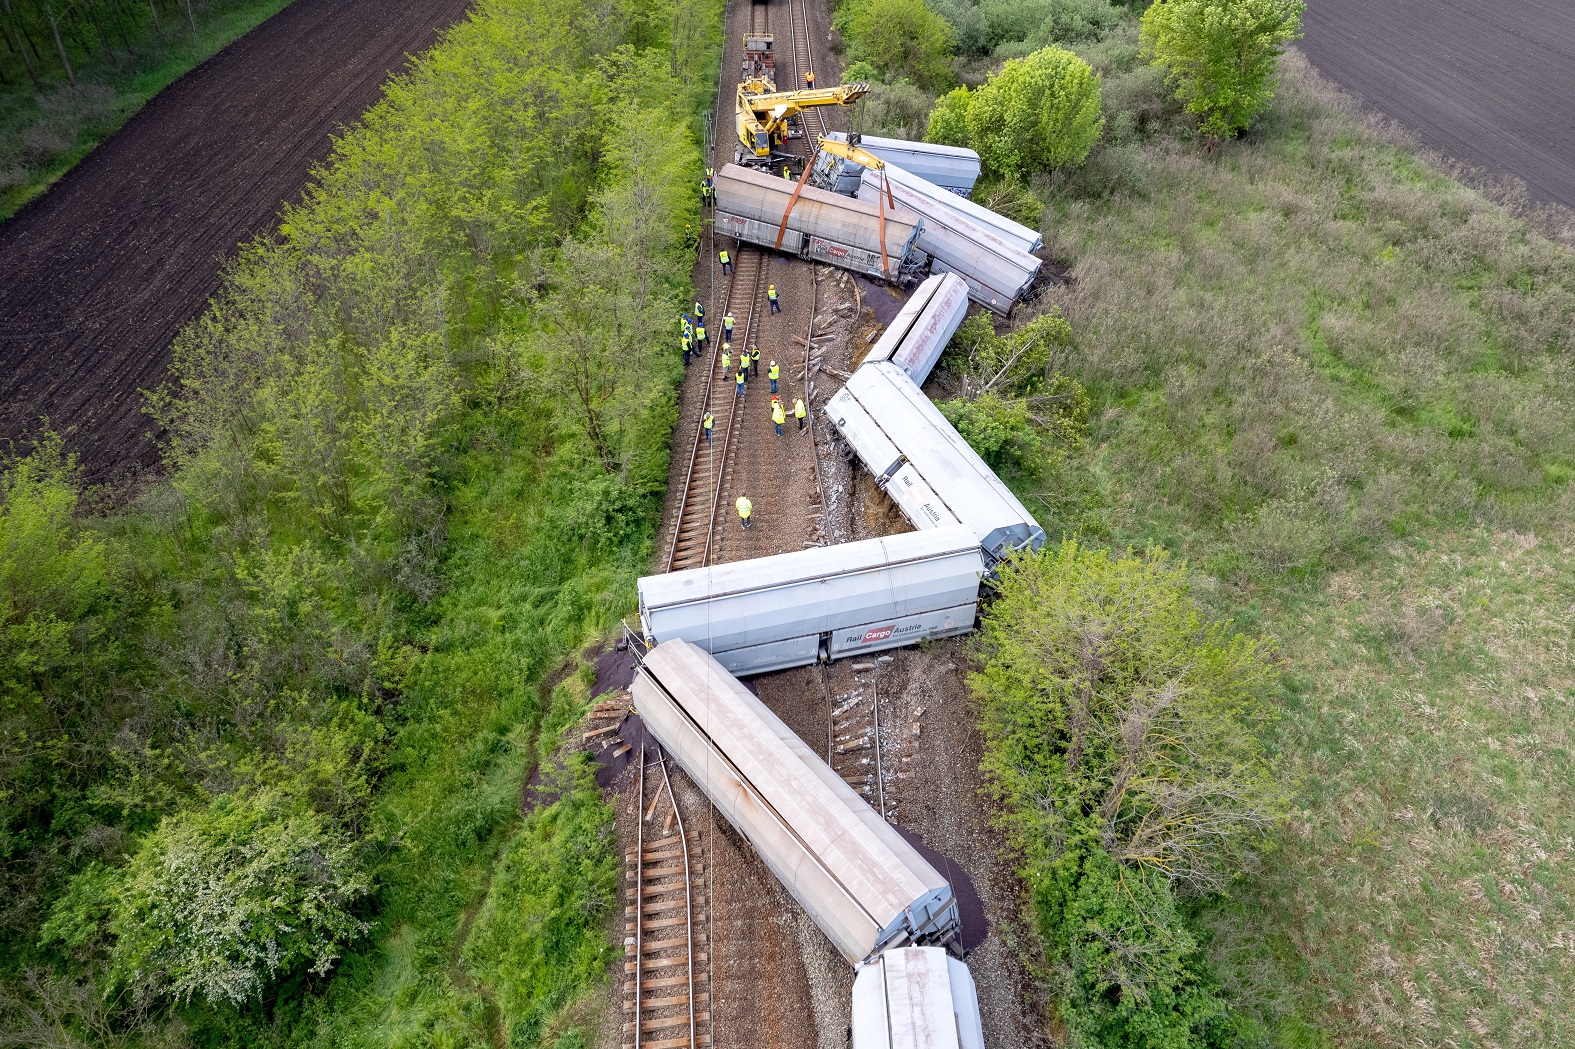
727, 262
771, 294
745, 508
727, 358
774, 374
709, 423
809, 79
739, 380
799, 412
727, 327
778, 417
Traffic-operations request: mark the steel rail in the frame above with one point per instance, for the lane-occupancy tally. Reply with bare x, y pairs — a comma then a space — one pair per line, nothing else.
757, 260
689, 915
639, 897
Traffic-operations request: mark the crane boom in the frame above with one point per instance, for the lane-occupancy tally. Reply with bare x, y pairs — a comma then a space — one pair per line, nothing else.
763, 113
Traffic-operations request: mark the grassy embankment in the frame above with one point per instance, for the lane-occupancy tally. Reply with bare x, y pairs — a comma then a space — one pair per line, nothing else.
402, 493
1338, 383
45, 129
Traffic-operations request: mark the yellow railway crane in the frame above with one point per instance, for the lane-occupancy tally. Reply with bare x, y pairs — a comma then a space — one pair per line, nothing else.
764, 114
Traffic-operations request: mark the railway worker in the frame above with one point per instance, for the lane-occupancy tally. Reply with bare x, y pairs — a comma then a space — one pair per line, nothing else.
687, 323
754, 363
699, 312
799, 411
809, 79
727, 262
745, 508
786, 173
708, 424
687, 346
707, 192
727, 327
778, 416
771, 295
774, 374
727, 358
700, 337
739, 380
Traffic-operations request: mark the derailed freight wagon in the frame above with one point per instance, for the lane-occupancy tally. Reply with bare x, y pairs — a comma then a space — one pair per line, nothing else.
916, 998
997, 273
1014, 233
916, 337
840, 231
793, 609
862, 884
952, 168
923, 463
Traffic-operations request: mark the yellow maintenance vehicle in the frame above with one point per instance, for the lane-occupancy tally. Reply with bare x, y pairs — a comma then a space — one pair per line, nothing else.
766, 116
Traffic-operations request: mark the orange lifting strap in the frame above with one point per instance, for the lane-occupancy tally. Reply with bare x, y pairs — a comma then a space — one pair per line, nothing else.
798, 187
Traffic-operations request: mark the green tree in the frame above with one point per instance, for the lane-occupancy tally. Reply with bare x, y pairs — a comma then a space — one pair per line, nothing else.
219, 902
1221, 55
903, 38
1037, 114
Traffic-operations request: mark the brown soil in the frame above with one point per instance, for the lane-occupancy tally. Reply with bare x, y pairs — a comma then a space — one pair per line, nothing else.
1491, 85
100, 272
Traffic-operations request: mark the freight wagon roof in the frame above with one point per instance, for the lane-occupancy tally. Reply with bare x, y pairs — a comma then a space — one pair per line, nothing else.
745, 191
953, 470
812, 824
950, 167
800, 566
919, 333
1014, 233
916, 998
1001, 262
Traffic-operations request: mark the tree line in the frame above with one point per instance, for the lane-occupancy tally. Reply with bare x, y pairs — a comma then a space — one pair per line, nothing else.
48, 38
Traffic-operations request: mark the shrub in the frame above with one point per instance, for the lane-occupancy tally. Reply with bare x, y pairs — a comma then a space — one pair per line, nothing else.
1039, 113
903, 38
1221, 55
218, 903
996, 427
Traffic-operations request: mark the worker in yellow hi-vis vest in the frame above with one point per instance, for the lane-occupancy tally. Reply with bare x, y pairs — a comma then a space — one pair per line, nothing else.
774, 374
727, 358
726, 260
799, 411
778, 417
745, 508
771, 294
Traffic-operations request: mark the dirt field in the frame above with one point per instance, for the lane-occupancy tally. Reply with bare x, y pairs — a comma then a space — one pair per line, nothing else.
98, 274
1489, 84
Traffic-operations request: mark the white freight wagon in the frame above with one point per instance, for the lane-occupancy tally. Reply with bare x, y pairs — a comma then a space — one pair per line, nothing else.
823, 226
1014, 233
916, 998
952, 168
790, 610
916, 337
862, 884
924, 464
998, 273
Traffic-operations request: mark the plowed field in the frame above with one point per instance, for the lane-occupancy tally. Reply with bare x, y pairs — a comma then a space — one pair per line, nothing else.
98, 274
1489, 84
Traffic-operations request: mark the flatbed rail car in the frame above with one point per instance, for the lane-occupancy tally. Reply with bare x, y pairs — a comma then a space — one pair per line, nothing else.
1014, 233
760, 61
952, 168
922, 462
916, 998
998, 273
823, 603
865, 886
822, 226
917, 336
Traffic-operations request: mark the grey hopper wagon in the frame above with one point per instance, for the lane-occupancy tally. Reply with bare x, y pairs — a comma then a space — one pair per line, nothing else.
822, 226
916, 998
952, 168
923, 463
789, 610
1014, 233
862, 884
917, 336
997, 273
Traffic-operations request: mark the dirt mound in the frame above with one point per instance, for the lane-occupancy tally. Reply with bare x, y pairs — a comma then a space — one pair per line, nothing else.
98, 274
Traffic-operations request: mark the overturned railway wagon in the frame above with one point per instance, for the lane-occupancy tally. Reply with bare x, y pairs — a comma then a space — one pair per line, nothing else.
923, 463
916, 337
793, 609
952, 168
1016, 234
997, 273
857, 878
751, 206
916, 998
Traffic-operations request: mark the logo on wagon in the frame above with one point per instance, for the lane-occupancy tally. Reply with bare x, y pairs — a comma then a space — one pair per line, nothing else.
879, 633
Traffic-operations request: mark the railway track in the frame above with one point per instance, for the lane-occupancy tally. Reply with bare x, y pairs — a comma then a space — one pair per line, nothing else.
692, 544
815, 121
667, 984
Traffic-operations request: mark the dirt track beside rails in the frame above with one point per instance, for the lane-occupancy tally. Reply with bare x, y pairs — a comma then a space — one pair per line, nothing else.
98, 274
1491, 85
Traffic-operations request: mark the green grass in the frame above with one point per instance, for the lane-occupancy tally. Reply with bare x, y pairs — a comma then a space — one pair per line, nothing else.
45, 133
1338, 382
